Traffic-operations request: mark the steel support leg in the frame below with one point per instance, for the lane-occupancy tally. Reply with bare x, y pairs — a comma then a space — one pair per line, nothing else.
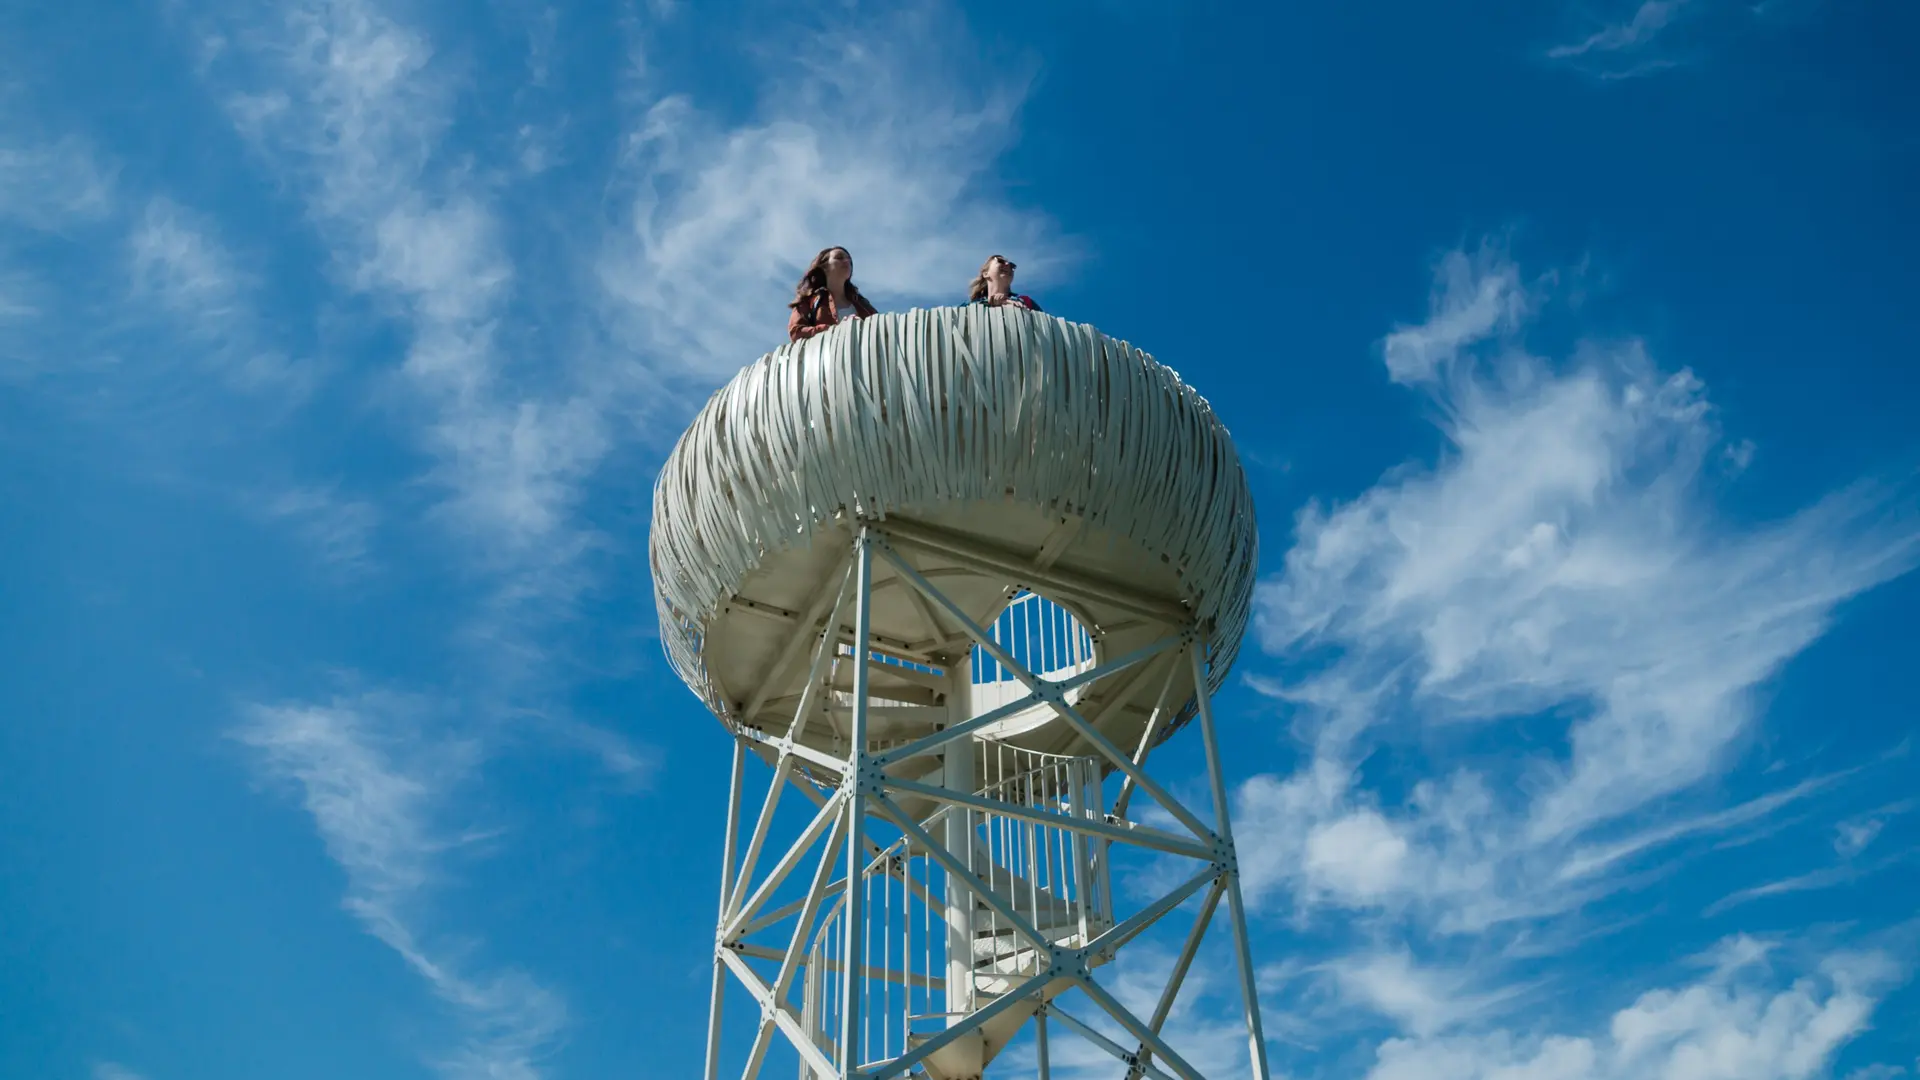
853, 956
828, 954
717, 999
1236, 905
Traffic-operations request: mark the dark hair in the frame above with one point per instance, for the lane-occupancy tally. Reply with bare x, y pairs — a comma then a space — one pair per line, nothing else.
812, 290
978, 289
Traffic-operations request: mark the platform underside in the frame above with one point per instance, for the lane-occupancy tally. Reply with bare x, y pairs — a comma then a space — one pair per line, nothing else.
979, 555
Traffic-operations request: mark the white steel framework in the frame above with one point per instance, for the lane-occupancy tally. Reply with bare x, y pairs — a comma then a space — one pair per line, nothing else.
943, 907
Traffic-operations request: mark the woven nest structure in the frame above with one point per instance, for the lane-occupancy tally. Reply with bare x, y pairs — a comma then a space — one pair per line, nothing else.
1006, 450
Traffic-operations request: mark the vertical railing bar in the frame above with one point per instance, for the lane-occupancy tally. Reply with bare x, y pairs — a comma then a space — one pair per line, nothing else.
1056, 637
926, 930
886, 964
1003, 823
987, 823
1047, 620
1033, 859
866, 982
1068, 647
1026, 633
906, 940
1046, 638
1033, 632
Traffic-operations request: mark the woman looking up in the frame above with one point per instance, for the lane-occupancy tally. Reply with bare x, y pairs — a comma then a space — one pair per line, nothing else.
994, 286
826, 296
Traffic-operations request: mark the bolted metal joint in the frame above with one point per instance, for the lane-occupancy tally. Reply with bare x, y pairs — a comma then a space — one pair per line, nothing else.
1070, 963
867, 778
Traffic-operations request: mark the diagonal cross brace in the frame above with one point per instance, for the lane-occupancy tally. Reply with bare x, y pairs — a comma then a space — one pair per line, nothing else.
1052, 693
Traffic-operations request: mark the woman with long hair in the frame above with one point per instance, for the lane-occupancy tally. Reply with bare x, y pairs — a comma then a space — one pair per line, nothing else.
826, 296
994, 286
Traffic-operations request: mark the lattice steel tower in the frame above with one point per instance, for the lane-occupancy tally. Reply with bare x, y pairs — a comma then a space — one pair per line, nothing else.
954, 574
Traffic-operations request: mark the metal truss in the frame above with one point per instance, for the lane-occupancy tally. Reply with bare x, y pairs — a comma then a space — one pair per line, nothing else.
1008, 882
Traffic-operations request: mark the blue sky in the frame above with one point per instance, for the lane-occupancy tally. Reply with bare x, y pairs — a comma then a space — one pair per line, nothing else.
1570, 347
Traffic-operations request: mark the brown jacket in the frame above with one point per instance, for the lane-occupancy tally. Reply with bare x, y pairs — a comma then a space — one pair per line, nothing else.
819, 313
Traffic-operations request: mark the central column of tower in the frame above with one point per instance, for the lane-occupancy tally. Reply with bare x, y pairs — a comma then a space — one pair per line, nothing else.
957, 774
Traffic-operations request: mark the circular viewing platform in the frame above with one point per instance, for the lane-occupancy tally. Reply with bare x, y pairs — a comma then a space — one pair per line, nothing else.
1057, 486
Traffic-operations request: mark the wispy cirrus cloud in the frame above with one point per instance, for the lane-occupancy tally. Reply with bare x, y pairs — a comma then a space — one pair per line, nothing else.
338, 529
353, 108
1421, 999
354, 113
1730, 1022
47, 184
179, 268
381, 803
1635, 44
1852, 837
1847, 867
50, 188
341, 100
1559, 571
1646, 37
878, 142
343, 104
128, 288
1638, 30
1560, 567
127, 311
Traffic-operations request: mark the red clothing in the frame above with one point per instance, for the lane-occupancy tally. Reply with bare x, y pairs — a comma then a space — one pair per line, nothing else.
819, 316
1016, 300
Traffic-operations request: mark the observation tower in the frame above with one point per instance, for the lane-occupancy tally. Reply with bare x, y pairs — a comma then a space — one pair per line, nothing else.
954, 575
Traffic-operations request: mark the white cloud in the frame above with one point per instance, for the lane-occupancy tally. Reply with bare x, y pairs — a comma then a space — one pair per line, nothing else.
1729, 1025
1474, 298
178, 266
379, 801
350, 110
19, 299
1424, 1001
337, 529
1852, 837
1849, 871
1816, 879
888, 147
47, 185
106, 291
174, 261
512, 383
881, 142
1358, 855
49, 188
1559, 567
1648, 20
1589, 859
342, 101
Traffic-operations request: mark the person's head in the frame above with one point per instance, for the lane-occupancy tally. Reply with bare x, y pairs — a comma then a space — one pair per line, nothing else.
830, 271
995, 278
